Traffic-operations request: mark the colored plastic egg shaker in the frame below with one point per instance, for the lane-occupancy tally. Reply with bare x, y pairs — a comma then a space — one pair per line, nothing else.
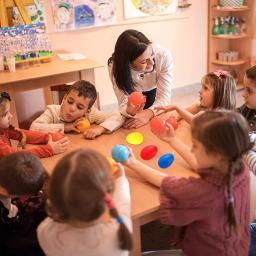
120, 153
136, 98
135, 138
172, 122
112, 162
83, 125
157, 125
165, 160
148, 152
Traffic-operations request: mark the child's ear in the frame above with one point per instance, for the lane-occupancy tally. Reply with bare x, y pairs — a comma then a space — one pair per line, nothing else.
88, 111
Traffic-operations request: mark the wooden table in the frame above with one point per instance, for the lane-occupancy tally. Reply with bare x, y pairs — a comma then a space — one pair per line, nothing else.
44, 76
145, 197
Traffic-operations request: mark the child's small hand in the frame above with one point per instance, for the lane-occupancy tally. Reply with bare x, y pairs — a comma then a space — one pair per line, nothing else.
164, 109
58, 146
71, 127
120, 171
168, 134
93, 132
131, 159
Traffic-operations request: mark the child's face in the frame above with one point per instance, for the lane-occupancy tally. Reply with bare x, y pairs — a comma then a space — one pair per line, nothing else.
5, 115
204, 159
206, 95
249, 93
74, 106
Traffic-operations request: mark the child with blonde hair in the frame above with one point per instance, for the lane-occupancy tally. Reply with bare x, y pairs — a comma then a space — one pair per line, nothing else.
218, 91
76, 105
84, 219
53, 143
210, 213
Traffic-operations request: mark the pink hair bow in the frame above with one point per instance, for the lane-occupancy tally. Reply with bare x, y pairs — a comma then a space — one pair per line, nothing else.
220, 73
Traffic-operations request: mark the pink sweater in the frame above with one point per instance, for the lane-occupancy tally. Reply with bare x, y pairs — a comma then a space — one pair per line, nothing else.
197, 209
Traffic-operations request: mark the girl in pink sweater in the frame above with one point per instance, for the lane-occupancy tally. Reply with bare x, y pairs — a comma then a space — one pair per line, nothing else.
210, 214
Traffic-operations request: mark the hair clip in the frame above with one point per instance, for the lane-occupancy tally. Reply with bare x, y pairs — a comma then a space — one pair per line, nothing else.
231, 200
107, 198
120, 219
219, 73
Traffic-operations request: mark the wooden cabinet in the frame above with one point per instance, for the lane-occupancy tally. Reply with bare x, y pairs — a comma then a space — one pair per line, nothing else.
238, 42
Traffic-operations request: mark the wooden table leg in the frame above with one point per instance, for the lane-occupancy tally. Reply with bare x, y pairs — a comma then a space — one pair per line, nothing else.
48, 98
136, 251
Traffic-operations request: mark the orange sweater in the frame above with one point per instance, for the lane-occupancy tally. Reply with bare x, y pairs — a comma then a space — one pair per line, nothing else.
32, 137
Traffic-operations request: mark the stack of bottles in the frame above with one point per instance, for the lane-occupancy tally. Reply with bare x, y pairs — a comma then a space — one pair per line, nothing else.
229, 25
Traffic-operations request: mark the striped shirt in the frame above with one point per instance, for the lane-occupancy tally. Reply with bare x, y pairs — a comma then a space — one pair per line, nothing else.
251, 156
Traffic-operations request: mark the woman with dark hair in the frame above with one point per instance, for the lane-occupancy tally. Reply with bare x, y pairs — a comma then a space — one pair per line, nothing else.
139, 65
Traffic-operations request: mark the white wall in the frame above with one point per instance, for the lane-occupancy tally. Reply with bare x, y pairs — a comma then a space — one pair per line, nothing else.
185, 36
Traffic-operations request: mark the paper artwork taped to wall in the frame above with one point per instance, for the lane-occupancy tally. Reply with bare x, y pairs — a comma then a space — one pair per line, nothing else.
35, 12
145, 8
75, 14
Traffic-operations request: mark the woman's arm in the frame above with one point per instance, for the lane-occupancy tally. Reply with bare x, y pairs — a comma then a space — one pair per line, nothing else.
122, 98
164, 68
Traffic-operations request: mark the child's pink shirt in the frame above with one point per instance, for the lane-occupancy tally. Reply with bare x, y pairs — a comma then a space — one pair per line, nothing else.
198, 210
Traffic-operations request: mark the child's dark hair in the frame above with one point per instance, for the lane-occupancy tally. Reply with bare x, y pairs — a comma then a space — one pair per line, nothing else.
225, 133
224, 89
85, 89
80, 186
4, 96
22, 174
251, 73
129, 46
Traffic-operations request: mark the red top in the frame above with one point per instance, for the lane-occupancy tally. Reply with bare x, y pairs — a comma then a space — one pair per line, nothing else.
198, 210
32, 137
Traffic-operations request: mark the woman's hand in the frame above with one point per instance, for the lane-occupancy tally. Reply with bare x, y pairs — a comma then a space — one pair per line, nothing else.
139, 119
134, 109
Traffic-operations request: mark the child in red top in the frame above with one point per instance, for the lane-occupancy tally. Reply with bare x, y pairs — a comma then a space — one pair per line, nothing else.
54, 145
210, 213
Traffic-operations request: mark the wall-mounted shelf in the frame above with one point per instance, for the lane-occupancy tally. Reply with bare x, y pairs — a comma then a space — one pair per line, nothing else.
231, 9
230, 63
230, 36
240, 43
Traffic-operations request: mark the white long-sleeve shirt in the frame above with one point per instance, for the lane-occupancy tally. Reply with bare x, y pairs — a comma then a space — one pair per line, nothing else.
60, 239
251, 156
161, 79
50, 120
